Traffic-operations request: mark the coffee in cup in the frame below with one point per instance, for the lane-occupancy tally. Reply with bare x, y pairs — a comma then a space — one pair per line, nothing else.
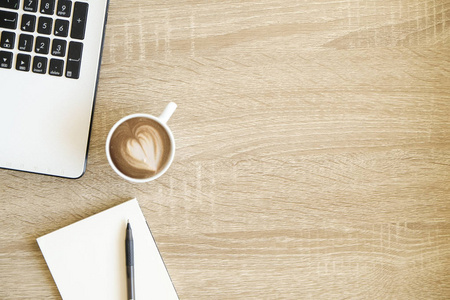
141, 147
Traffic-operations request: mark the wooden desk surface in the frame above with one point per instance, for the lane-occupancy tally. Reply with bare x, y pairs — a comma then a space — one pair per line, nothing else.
313, 150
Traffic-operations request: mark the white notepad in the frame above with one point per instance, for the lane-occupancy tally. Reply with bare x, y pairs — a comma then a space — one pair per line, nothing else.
87, 258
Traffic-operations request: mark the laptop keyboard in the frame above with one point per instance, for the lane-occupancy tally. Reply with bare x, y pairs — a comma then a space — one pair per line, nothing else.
43, 36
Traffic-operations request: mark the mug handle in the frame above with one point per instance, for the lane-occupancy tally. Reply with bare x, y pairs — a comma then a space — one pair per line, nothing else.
167, 113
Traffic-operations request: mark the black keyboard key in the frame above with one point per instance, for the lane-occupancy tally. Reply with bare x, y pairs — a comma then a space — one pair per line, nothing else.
23, 62
59, 47
80, 11
61, 28
39, 64
25, 42
12, 4
47, 7
56, 67
30, 5
64, 8
74, 60
8, 19
42, 45
7, 40
28, 23
6, 59
45, 25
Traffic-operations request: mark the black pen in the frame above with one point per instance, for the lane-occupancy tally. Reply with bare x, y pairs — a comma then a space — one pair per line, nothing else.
129, 251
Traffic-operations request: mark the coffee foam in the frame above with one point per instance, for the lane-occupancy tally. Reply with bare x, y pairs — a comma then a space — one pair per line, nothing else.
140, 147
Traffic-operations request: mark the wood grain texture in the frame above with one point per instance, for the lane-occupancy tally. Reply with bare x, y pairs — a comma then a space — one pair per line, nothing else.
313, 150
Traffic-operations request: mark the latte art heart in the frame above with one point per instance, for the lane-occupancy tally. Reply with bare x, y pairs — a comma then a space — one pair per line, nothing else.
145, 150
140, 147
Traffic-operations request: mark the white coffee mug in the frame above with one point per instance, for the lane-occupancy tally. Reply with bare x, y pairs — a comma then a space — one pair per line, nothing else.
161, 120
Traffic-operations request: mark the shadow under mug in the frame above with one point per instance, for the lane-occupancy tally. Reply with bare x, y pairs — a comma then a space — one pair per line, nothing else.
161, 120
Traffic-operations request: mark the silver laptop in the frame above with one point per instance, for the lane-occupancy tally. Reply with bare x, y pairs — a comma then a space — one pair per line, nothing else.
50, 52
